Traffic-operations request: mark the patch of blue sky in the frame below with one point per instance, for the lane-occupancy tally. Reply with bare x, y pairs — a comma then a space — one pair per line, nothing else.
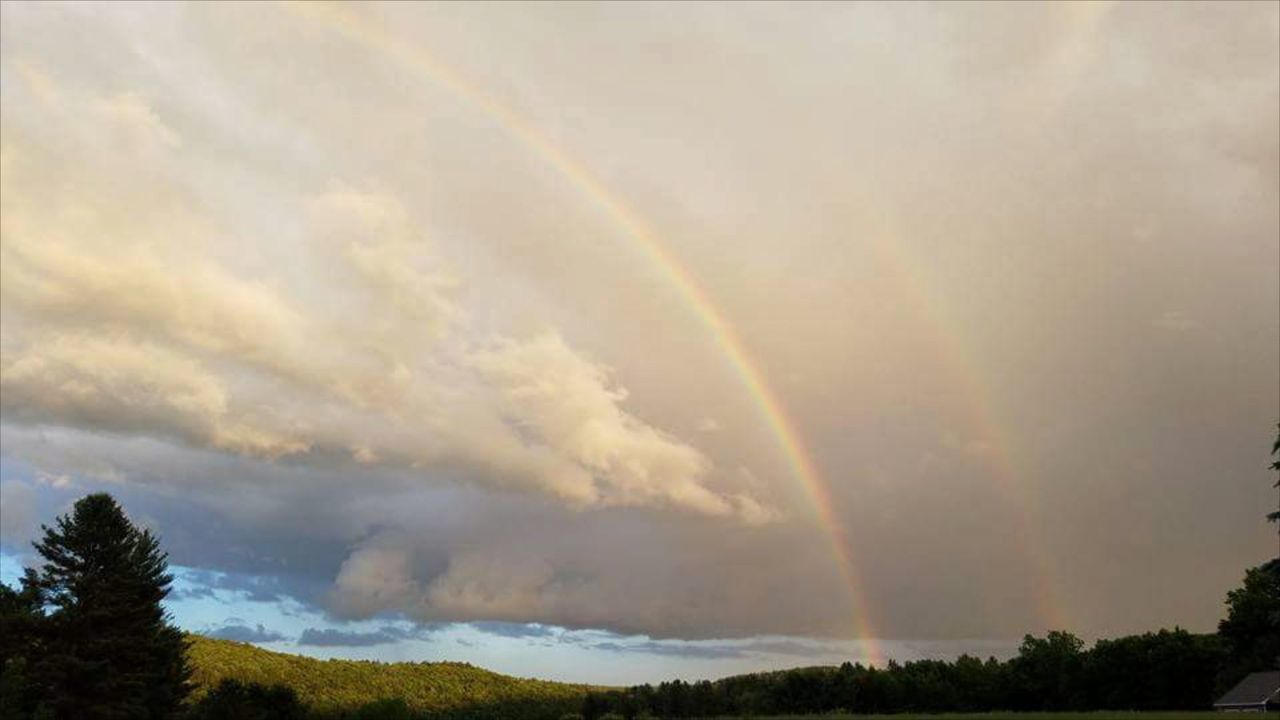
10, 568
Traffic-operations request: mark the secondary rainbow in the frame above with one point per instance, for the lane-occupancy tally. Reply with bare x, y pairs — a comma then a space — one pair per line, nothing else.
995, 450
770, 408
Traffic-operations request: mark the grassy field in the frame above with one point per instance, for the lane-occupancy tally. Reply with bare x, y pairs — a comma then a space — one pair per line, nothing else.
1102, 715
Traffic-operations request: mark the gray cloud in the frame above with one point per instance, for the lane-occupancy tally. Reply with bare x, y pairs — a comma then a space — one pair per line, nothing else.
725, 649
261, 588
17, 512
329, 637
653, 648
517, 630
246, 634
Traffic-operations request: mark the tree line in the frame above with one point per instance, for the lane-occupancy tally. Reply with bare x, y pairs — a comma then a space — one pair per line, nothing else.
1166, 670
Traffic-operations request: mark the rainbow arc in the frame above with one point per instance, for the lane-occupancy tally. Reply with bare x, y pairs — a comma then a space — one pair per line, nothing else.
772, 411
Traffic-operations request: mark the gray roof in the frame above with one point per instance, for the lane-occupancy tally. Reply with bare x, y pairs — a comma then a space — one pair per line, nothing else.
1255, 689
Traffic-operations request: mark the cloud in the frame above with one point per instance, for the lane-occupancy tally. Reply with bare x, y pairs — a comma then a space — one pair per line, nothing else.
517, 630
387, 256
115, 325
676, 650
255, 588
17, 512
246, 634
328, 637
482, 585
729, 649
376, 577
129, 387
562, 403
60, 482
137, 119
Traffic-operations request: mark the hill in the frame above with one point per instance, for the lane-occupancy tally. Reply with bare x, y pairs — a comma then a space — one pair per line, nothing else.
443, 689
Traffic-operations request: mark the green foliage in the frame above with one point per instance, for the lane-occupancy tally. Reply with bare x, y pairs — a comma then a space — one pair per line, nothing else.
1157, 715
1251, 630
352, 689
20, 617
89, 636
1046, 673
232, 699
1152, 671
383, 710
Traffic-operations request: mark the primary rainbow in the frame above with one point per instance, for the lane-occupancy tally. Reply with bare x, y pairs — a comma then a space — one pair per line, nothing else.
750, 375
771, 409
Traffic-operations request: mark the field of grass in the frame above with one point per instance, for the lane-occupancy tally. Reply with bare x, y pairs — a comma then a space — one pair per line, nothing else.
1101, 715
438, 688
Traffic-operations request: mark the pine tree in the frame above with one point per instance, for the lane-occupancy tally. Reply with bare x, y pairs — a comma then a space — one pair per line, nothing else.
109, 648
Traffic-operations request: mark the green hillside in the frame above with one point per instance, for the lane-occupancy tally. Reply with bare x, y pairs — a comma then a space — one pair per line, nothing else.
446, 689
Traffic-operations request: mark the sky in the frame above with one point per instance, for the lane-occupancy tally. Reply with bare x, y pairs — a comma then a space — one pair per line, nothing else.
618, 342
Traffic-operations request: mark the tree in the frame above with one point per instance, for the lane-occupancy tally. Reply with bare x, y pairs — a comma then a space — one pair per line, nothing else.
109, 650
1275, 450
252, 701
19, 640
1047, 670
1251, 629
1166, 670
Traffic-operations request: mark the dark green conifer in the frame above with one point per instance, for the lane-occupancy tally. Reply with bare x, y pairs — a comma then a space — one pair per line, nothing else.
109, 650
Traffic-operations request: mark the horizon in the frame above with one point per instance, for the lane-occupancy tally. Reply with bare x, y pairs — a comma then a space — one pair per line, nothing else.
618, 342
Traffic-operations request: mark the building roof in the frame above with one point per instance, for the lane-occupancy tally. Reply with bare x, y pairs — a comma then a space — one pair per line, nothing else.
1255, 689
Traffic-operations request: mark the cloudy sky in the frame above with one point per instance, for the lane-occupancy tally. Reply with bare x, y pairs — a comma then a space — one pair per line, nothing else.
613, 342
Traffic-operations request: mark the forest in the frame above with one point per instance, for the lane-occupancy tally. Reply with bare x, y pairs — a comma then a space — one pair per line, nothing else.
1166, 670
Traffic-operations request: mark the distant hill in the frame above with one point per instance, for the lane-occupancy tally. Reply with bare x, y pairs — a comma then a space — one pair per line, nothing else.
447, 689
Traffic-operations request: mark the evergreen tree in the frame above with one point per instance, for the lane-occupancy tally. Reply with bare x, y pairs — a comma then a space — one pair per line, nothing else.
108, 648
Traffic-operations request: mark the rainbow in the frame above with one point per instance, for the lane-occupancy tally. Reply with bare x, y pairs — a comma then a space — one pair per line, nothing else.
1065, 64
748, 372
995, 446
999, 458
